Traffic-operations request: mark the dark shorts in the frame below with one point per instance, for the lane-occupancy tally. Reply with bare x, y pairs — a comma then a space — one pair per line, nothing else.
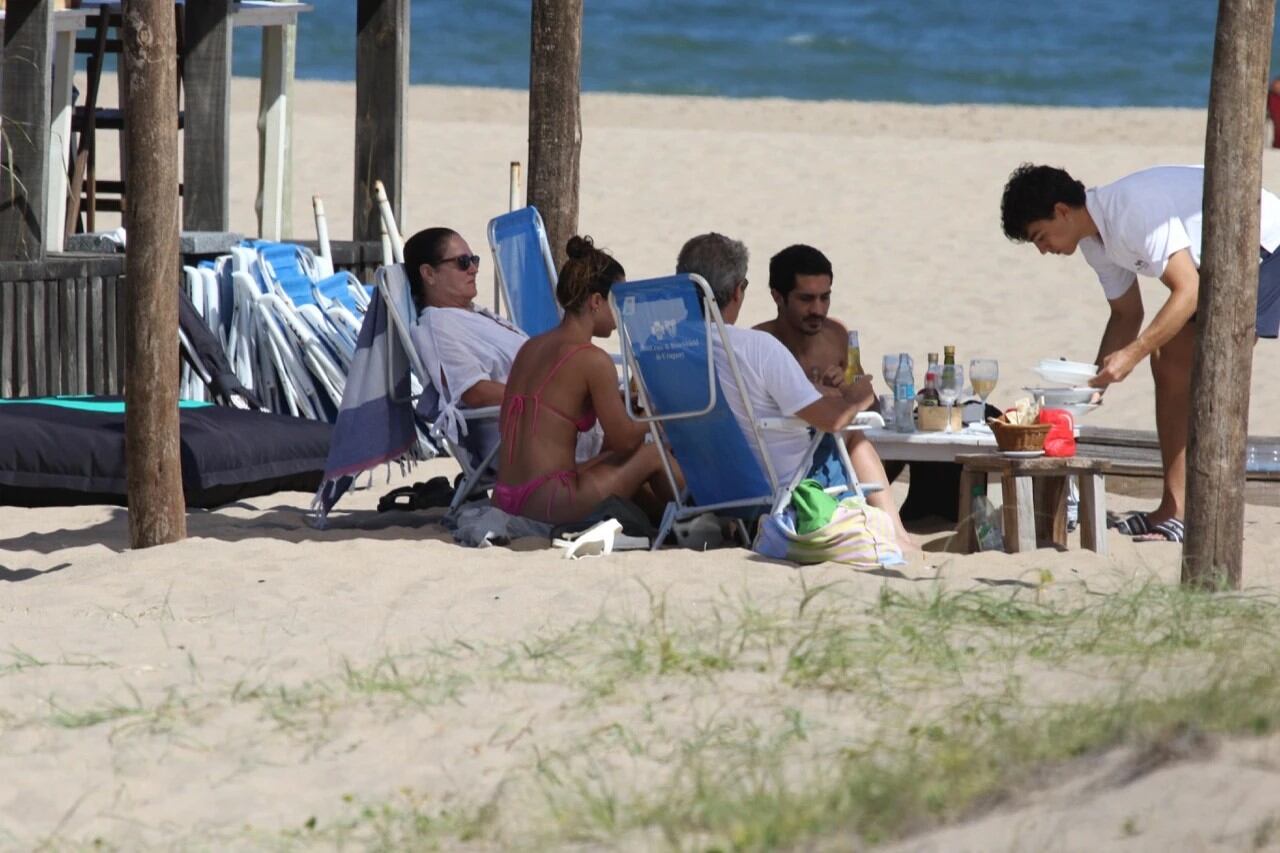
1269, 295
1268, 313
827, 468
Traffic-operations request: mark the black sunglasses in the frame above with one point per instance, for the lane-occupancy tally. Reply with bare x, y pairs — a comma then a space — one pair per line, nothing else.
464, 262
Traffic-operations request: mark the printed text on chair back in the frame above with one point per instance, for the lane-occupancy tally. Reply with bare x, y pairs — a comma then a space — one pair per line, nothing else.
520, 251
670, 335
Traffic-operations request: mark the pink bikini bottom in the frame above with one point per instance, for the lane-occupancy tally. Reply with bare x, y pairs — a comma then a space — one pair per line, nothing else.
512, 499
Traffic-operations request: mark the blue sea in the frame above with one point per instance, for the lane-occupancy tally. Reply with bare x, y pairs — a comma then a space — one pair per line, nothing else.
1083, 53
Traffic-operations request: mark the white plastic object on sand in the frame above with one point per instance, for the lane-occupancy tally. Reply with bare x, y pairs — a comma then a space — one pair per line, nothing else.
605, 537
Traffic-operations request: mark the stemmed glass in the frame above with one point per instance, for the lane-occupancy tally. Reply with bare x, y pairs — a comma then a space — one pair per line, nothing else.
889, 370
983, 375
950, 384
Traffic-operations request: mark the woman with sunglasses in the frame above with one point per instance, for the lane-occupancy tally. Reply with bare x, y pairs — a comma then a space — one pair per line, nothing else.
560, 385
469, 348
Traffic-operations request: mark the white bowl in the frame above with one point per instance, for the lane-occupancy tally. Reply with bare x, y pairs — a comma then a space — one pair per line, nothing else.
1066, 372
1056, 398
1078, 410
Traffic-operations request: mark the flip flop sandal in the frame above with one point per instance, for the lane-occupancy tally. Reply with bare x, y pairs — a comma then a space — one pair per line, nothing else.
397, 499
425, 495
1169, 530
1133, 524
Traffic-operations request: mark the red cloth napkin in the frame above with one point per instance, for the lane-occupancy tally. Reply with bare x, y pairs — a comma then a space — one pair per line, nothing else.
1061, 440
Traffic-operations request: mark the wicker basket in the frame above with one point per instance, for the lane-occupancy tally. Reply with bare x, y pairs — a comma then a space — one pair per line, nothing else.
1013, 437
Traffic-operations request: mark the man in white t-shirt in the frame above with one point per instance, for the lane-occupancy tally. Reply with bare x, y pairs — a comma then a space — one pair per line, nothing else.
1147, 223
774, 381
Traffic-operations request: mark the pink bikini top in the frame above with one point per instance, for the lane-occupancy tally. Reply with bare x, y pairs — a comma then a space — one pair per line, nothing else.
514, 406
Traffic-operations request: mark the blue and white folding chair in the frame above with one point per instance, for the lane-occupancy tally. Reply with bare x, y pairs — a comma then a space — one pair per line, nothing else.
526, 270
668, 328
459, 429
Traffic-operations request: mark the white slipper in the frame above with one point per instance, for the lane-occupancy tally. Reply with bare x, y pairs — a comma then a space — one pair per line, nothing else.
604, 537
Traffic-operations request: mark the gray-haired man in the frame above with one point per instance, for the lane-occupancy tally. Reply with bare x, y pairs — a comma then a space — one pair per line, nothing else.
775, 383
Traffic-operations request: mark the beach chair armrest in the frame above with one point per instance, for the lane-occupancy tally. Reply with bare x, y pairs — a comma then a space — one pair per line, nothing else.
481, 413
863, 420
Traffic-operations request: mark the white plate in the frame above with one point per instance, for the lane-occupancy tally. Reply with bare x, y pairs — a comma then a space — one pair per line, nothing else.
1054, 372
1069, 366
1022, 454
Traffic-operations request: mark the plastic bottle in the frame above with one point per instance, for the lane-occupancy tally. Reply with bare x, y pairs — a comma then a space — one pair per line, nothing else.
904, 392
853, 366
986, 522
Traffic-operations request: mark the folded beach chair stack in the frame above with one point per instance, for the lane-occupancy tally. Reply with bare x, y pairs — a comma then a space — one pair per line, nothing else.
668, 328
289, 330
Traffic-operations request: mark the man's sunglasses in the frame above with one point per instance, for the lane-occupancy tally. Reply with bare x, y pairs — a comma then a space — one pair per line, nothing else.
464, 262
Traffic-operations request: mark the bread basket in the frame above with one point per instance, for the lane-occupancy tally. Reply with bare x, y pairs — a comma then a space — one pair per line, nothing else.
1018, 438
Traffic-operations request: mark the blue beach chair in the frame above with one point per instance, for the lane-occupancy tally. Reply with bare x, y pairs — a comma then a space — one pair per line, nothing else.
526, 270
668, 328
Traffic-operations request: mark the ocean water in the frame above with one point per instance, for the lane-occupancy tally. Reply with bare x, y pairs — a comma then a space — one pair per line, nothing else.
1084, 53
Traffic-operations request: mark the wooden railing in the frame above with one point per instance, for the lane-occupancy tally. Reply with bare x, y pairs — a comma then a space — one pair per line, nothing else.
62, 325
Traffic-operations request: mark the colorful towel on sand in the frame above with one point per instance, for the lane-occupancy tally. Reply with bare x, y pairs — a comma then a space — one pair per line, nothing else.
857, 535
374, 425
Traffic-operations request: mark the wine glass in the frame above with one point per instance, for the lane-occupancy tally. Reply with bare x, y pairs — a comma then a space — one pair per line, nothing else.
950, 384
983, 374
889, 370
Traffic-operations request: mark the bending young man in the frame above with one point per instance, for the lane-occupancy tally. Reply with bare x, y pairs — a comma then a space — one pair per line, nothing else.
1147, 223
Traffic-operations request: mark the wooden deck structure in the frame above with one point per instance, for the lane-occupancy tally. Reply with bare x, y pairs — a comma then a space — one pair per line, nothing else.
1135, 453
62, 314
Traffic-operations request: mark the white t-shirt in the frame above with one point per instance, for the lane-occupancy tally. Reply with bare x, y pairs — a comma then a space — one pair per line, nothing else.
1144, 218
776, 386
466, 346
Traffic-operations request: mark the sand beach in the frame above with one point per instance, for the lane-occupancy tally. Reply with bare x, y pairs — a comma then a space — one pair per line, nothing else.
263, 685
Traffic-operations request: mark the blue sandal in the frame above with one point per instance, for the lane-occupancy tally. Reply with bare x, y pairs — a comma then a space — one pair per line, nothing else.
1169, 530
1133, 524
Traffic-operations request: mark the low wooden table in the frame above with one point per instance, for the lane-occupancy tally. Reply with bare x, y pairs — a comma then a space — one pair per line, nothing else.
1035, 500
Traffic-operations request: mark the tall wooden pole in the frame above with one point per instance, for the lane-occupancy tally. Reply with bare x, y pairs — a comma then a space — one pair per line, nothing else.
1213, 552
24, 134
206, 141
555, 119
154, 470
382, 71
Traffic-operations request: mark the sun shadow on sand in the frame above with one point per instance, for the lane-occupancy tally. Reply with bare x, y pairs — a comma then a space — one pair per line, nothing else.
896, 574
284, 522
16, 575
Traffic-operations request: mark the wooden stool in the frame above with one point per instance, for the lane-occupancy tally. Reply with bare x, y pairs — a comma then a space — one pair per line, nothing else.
1035, 500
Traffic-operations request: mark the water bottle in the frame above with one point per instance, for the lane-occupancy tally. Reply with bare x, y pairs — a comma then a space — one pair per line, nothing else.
1073, 503
904, 392
986, 522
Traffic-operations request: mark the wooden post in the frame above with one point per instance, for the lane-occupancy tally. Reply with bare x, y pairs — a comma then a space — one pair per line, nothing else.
1213, 552
153, 466
555, 120
382, 70
24, 136
206, 140
274, 203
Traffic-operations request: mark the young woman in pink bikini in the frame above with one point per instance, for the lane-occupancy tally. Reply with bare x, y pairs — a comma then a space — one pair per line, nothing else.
560, 385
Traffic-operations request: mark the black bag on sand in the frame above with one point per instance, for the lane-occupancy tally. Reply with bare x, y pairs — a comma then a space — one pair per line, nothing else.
425, 495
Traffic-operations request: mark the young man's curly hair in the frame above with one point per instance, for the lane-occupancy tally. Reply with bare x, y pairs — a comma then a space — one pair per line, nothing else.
1030, 194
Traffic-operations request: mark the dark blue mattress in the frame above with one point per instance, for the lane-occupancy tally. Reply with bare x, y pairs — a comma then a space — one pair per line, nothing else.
70, 451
